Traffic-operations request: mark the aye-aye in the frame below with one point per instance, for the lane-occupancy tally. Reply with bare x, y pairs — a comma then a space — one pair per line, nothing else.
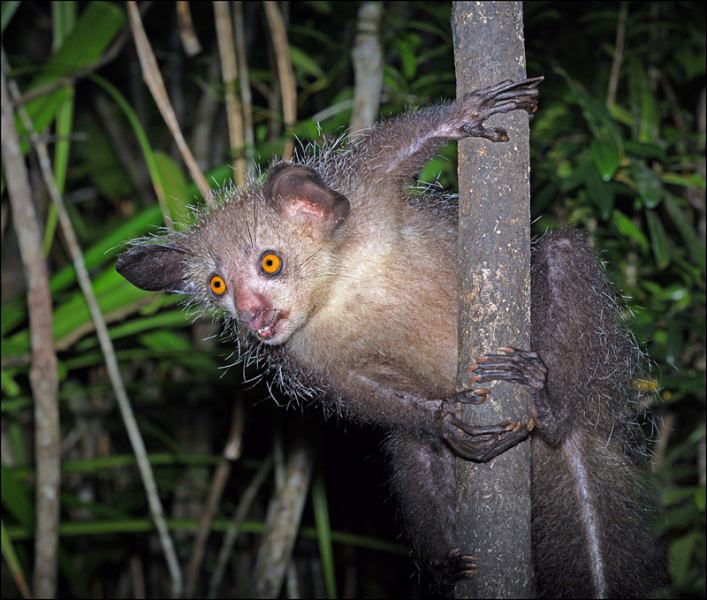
345, 281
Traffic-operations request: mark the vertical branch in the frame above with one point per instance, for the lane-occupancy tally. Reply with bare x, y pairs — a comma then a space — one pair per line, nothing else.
493, 500
283, 520
43, 372
284, 70
368, 68
229, 73
244, 78
153, 78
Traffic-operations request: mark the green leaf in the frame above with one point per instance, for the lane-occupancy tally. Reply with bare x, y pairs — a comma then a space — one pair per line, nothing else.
63, 21
629, 229
693, 180
16, 497
646, 126
648, 184
112, 293
13, 562
406, 47
106, 248
659, 240
13, 313
681, 551
601, 194
168, 341
8, 10
683, 225
141, 136
620, 114
9, 385
642, 150
161, 320
100, 22
305, 63
692, 60
176, 188
605, 154
323, 526
99, 164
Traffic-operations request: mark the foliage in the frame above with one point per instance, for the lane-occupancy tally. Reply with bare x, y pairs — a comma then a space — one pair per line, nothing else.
617, 149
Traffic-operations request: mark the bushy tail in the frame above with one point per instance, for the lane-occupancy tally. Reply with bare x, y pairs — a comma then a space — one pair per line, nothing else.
591, 536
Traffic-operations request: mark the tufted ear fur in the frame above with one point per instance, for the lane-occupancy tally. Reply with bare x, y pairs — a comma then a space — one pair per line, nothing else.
156, 268
299, 193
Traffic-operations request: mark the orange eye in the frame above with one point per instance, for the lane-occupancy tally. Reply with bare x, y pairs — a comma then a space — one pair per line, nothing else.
217, 285
270, 263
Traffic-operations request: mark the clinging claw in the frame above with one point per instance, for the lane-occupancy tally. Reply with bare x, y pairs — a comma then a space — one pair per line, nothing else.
500, 98
510, 364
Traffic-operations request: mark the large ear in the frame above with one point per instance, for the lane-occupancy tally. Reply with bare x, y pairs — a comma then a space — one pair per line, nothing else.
300, 193
156, 268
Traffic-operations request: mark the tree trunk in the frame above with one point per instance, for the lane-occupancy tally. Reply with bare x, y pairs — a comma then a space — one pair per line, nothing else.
493, 500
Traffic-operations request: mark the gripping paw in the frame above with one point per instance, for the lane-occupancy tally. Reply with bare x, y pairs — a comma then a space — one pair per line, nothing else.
500, 98
480, 443
517, 366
